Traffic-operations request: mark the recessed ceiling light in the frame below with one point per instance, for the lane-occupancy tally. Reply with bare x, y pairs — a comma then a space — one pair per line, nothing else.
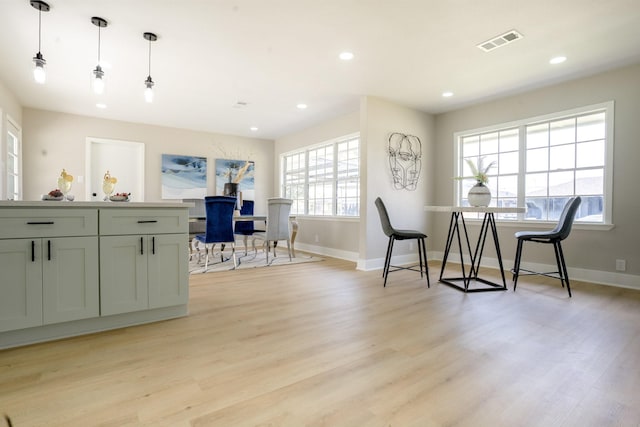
253, 128
558, 60
447, 94
100, 105
301, 106
346, 56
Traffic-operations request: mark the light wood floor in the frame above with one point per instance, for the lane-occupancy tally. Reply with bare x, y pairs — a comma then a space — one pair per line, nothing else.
321, 344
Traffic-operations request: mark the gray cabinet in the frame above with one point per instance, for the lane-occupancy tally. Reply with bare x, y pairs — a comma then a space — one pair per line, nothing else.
47, 278
68, 269
143, 259
21, 289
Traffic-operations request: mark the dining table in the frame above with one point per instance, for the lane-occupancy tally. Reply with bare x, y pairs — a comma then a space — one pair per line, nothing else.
470, 279
201, 220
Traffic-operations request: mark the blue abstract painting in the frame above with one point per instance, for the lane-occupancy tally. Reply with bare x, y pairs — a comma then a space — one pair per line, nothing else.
184, 177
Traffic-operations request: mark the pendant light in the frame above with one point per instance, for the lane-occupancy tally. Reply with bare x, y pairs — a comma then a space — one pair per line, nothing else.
39, 73
148, 92
98, 74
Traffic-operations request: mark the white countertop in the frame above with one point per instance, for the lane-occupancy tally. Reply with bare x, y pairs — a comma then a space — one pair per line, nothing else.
102, 205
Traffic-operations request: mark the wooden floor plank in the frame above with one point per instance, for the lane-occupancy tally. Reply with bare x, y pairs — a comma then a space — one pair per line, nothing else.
321, 344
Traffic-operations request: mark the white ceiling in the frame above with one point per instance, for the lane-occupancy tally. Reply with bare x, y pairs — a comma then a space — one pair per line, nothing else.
274, 54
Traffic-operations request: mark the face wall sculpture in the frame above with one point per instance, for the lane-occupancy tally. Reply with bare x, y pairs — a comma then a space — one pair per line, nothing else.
405, 154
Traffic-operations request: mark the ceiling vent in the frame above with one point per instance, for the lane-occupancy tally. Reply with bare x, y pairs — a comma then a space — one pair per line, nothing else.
499, 41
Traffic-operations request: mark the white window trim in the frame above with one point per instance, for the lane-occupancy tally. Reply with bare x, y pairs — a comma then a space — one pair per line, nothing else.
305, 150
609, 106
12, 125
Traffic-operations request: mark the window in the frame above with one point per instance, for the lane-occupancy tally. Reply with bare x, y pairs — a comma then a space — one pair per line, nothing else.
13, 162
324, 180
540, 163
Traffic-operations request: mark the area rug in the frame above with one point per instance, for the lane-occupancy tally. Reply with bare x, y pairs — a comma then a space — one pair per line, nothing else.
251, 260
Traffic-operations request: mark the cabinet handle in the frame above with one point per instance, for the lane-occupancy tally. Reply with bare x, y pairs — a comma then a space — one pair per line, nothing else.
48, 250
147, 221
33, 251
141, 247
39, 222
153, 245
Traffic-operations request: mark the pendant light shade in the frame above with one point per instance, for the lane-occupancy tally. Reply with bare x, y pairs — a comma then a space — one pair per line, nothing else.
98, 74
148, 92
39, 73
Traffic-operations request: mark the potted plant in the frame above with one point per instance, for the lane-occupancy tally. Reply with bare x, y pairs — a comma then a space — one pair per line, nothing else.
479, 194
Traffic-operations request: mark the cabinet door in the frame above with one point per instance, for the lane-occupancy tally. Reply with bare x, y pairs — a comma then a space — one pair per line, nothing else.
70, 279
20, 284
123, 274
168, 270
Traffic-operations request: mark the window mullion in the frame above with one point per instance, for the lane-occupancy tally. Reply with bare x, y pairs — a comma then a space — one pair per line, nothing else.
334, 208
306, 182
522, 167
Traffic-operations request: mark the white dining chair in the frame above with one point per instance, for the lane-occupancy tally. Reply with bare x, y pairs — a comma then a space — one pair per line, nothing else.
278, 211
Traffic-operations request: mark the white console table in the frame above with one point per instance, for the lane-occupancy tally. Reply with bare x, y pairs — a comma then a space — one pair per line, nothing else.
70, 268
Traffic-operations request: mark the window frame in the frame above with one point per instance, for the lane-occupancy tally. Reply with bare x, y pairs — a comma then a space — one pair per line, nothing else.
607, 212
334, 181
15, 131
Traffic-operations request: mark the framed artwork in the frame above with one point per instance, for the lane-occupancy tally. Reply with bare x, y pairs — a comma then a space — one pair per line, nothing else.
233, 176
184, 177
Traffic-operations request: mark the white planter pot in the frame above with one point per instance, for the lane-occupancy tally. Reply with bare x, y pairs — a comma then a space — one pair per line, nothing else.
479, 195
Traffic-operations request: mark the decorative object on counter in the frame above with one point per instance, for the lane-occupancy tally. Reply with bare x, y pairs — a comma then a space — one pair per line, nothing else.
184, 177
234, 176
120, 197
53, 195
479, 194
405, 155
108, 185
65, 181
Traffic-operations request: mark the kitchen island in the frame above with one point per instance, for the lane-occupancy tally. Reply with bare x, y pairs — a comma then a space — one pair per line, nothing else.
71, 268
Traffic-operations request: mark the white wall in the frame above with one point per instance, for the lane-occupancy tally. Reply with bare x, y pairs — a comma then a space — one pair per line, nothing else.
364, 240
53, 141
380, 118
335, 237
589, 253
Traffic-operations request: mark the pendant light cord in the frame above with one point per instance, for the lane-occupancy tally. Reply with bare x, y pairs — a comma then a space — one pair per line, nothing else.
98, 44
39, 27
149, 57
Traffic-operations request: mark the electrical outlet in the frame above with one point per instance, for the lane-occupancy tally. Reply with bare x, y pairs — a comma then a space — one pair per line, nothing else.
621, 265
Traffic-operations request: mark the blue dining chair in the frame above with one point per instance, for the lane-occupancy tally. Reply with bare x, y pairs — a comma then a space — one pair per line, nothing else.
246, 228
219, 226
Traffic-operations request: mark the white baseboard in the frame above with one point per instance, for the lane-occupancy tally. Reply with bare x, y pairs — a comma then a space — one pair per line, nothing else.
378, 263
607, 278
598, 277
334, 253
